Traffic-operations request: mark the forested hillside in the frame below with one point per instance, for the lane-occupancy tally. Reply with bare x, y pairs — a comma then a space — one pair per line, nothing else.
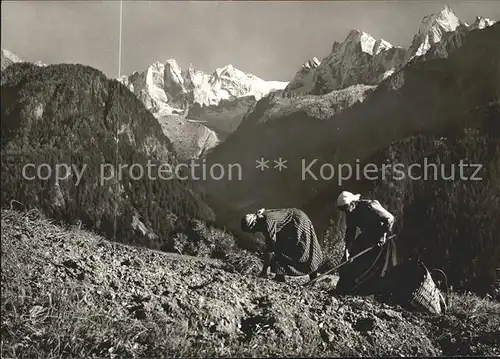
71, 114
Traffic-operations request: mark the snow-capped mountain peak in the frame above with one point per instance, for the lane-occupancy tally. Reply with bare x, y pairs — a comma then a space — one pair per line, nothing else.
431, 31
221, 99
381, 45
11, 56
8, 58
230, 73
168, 87
173, 77
303, 79
367, 43
311, 63
446, 19
481, 23
360, 58
356, 37
172, 65
227, 70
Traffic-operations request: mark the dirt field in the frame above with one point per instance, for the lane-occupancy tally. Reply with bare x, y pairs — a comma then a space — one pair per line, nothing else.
67, 292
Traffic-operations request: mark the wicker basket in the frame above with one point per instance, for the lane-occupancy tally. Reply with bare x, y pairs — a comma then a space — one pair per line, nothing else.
427, 295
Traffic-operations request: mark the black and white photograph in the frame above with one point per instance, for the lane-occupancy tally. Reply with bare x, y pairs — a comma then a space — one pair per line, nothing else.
250, 179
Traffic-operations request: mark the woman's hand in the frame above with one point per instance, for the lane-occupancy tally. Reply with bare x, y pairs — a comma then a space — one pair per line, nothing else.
382, 240
268, 256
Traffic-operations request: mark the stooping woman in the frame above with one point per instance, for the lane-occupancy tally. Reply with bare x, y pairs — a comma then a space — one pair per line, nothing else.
292, 247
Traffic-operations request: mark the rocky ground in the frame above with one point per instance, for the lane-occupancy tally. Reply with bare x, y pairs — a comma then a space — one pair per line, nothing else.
67, 292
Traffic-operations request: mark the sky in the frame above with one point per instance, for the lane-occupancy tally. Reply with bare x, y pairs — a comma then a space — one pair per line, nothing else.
270, 39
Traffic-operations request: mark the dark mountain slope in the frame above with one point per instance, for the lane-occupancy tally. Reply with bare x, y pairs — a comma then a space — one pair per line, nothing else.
70, 114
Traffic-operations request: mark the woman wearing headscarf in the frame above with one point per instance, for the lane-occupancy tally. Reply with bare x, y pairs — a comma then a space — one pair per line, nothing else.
292, 247
363, 275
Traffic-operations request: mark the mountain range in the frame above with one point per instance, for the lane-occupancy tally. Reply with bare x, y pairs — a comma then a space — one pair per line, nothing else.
198, 111
362, 59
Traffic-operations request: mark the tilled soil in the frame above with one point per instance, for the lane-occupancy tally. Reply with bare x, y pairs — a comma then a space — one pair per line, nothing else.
68, 292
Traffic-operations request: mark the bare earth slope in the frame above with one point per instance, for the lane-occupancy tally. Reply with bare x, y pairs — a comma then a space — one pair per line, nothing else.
67, 292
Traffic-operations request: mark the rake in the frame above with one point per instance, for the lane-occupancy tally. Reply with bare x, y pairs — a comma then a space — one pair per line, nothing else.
343, 263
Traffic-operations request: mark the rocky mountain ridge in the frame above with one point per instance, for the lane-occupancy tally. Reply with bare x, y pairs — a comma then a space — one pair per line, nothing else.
8, 58
362, 59
216, 102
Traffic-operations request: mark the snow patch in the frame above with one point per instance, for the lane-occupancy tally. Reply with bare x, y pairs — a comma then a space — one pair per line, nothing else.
431, 31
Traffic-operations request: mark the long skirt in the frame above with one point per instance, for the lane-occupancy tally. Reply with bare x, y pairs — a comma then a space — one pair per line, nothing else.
364, 276
297, 249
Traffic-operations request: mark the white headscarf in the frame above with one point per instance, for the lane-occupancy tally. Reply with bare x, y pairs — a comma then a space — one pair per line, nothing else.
251, 218
346, 198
